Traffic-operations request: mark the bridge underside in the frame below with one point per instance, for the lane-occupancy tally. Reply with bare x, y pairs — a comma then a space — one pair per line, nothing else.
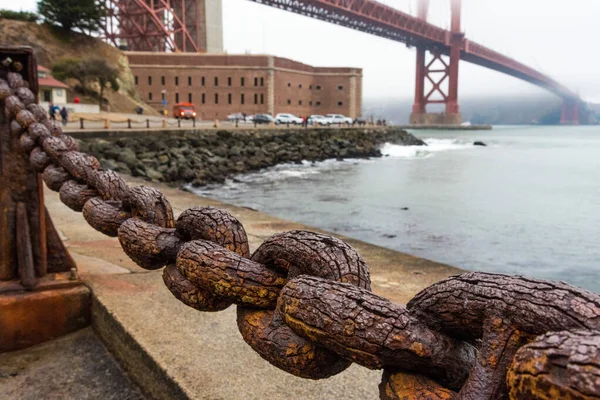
375, 18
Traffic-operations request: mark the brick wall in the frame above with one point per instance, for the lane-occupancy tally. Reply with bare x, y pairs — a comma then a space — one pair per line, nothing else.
220, 85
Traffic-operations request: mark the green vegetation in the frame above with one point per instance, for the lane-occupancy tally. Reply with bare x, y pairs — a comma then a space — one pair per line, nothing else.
19, 15
84, 15
91, 74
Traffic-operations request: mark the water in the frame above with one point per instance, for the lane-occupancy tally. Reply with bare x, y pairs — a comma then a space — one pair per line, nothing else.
529, 203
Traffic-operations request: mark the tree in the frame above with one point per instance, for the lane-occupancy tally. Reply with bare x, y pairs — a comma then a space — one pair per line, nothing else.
84, 15
19, 15
104, 75
90, 72
71, 68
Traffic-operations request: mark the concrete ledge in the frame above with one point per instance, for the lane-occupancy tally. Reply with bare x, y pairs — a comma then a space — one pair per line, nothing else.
440, 127
142, 368
175, 352
137, 132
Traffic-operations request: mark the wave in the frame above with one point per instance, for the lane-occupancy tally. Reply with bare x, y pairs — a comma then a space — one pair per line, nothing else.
433, 146
304, 170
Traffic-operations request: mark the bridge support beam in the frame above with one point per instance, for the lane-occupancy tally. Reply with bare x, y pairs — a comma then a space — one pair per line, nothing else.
570, 113
431, 71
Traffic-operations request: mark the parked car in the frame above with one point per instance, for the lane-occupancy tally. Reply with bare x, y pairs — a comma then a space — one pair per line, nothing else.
287, 119
339, 119
319, 120
263, 119
184, 110
235, 117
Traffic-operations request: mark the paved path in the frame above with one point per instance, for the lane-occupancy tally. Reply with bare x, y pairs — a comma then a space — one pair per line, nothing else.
174, 351
76, 366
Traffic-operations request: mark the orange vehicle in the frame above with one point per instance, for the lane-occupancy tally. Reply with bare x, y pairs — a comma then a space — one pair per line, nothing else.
184, 110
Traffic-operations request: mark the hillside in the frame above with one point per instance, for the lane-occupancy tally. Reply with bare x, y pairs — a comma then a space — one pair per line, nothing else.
51, 44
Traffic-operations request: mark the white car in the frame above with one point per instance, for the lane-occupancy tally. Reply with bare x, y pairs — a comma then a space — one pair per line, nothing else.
319, 120
339, 119
287, 119
235, 117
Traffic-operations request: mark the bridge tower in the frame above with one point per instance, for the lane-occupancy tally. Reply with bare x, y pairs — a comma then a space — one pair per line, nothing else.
570, 112
437, 71
165, 25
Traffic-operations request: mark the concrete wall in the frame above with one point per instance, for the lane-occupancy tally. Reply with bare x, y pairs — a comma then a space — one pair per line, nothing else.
214, 25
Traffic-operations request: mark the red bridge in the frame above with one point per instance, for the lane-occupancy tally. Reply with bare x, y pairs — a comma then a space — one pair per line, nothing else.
143, 20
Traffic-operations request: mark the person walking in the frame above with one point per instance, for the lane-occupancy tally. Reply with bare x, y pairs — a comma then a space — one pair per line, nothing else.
64, 115
52, 112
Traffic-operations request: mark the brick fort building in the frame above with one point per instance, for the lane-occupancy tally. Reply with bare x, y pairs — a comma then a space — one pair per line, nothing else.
222, 84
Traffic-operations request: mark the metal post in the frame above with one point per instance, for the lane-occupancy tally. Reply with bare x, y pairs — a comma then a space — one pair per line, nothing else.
129, 123
81, 123
194, 122
179, 122
27, 235
147, 123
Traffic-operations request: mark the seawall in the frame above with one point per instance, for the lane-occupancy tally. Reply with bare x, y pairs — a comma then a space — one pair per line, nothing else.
210, 156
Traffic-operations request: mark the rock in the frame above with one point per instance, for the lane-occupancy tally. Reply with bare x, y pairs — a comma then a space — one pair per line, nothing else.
108, 164
127, 156
154, 175
204, 157
122, 168
388, 236
478, 143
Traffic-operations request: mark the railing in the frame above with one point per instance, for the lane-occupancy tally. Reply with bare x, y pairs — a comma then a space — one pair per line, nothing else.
130, 123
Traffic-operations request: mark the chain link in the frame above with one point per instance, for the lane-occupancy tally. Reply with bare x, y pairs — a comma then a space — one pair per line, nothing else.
303, 298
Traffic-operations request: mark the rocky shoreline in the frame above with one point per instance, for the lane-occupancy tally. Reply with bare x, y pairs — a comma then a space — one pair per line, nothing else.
204, 157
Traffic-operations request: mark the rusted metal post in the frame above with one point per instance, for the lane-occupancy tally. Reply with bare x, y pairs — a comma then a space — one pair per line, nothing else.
147, 123
25, 251
129, 123
29, 245
38, 302
81, 123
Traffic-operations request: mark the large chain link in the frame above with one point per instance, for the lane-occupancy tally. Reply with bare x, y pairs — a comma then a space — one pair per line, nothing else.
304, 300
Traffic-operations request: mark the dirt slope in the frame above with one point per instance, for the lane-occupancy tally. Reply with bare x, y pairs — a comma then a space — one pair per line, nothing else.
51, 44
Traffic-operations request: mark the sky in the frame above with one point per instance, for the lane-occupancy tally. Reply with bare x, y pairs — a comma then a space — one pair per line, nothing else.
556, 37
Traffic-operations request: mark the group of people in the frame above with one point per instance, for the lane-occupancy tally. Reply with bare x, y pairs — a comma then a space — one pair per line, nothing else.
55, 111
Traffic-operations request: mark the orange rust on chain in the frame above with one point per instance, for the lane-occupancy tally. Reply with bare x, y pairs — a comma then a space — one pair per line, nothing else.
559, 365
298, 253
190, 295
208, 268
399, 385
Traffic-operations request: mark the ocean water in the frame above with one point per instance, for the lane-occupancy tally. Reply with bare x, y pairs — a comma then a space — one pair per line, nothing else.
528, 203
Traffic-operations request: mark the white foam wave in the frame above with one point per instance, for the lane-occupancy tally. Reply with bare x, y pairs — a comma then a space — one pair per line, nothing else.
433, 146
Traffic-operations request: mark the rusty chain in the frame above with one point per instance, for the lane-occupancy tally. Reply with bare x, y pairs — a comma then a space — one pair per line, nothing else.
304, 301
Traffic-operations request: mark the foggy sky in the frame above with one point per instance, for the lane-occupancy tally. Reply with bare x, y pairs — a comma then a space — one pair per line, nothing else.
559, 38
